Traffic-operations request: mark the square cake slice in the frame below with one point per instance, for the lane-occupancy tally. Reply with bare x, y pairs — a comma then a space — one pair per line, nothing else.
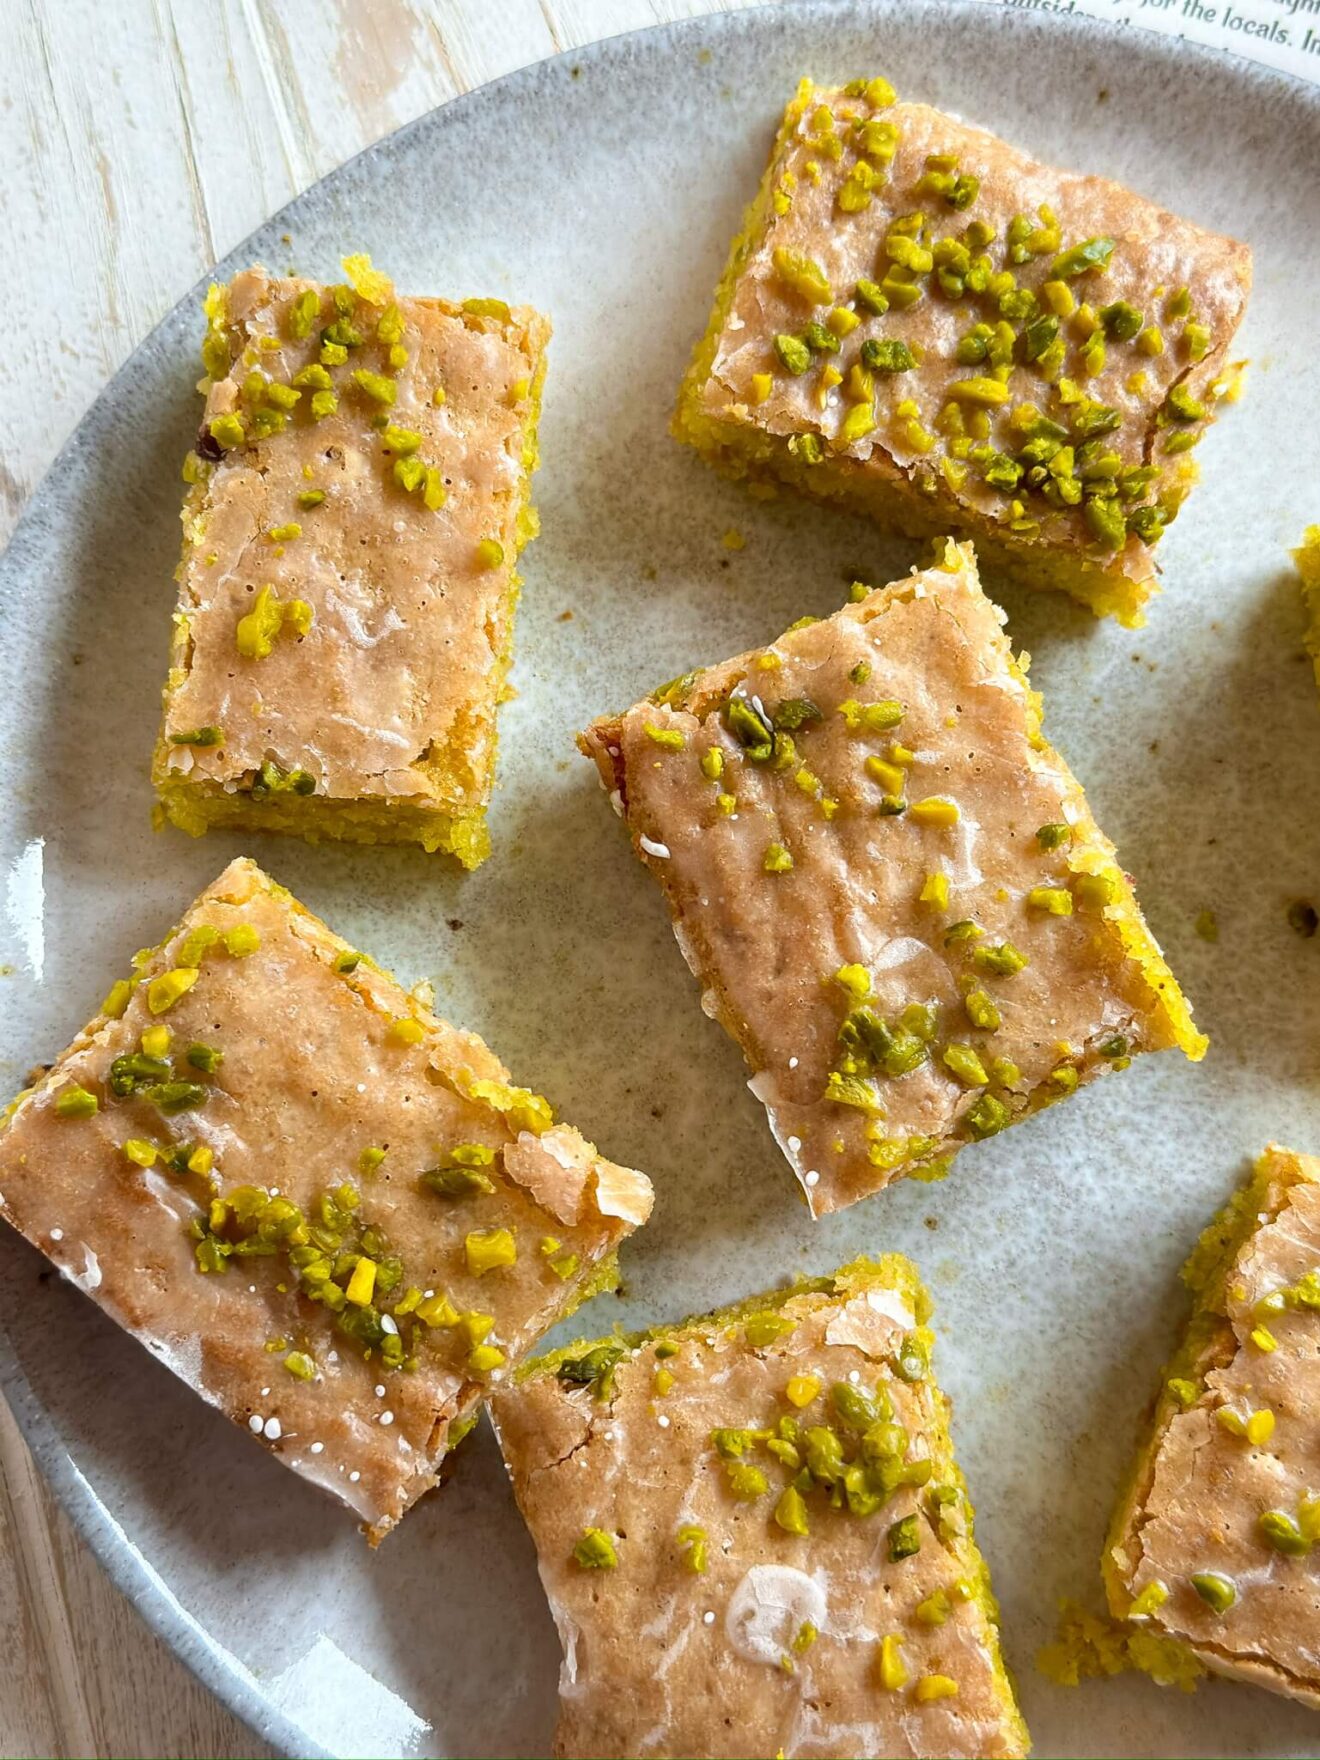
754, 1536
358, 499
327, 1211
1213, 1548
920, 322
888, 884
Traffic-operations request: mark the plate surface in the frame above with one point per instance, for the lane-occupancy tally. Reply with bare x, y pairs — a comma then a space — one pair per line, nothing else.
604, 188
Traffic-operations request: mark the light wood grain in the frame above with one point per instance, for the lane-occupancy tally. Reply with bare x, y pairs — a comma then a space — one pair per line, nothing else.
82, 1673
141, 140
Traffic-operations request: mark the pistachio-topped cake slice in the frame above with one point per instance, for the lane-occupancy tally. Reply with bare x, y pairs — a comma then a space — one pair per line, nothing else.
754, 1536
327, 1211
1215, 1544
921, 322
889, 886
358, 498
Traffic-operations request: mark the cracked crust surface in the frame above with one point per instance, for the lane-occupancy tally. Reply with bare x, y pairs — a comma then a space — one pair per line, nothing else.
766, 946
388, 701
1199, 1489
662, 1659
311, 1076
924, 486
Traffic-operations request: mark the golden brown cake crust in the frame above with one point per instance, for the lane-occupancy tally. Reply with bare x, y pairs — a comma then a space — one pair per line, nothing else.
1201, 1488
312, 1074
775, 1645
768, 942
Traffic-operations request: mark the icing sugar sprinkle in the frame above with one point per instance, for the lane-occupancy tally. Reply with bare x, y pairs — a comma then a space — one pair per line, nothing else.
272, 1430
663, 1421
387, 1417
708, 1618
813, 1178
57, 1234
317, 1447
254, 1423
653, 848
354, 1476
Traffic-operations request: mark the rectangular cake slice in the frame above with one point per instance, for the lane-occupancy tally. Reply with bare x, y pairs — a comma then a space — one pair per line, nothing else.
358, 500
754, 1536
1213, 1546
922, 323
327, 1211
889, 886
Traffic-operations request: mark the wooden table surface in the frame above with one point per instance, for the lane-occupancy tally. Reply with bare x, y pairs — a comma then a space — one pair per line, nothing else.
141, 140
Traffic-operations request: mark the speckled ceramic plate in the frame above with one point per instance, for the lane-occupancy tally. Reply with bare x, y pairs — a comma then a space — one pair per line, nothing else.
604, 188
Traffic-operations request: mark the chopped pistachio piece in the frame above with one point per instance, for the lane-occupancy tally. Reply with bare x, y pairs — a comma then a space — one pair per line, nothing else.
934, 1686
1055, 901
1217, 1591
76, 1102
1092, 253
987, 1116
763, 1329
982, 1011
803, 275
596, 1551
935, 811
456, 1182
745, 1481
377, 386
692, 1544
887, 355
893, 1670
802, 1389
1150, 1599
163, 992
791, 1511
1003, 960
964, 1063
488, 1249
794, 354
